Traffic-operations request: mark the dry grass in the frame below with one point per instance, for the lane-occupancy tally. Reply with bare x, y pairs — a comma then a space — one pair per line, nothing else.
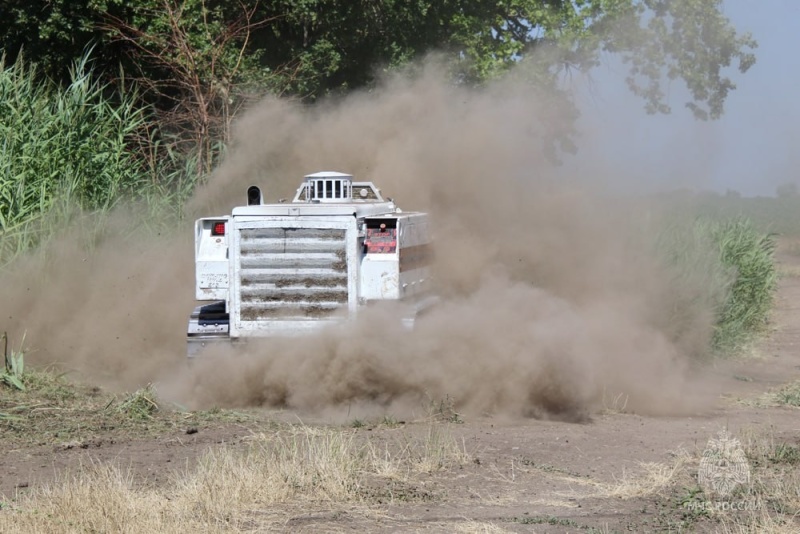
52, 410
776, 479
786, 395
762, 521
266, 483
614, 404
651, 478
770, 502
238, 490
476, 527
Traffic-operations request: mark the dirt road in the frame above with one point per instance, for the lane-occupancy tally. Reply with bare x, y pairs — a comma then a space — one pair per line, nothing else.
615, 472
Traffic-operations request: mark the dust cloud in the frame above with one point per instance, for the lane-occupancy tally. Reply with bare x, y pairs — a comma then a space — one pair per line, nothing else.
555, 302
102, 305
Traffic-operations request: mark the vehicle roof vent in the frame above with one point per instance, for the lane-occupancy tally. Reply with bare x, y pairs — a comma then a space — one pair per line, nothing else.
326, 187
336, 187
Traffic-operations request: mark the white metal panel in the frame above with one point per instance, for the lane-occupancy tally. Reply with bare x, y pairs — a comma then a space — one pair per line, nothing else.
415, 282
322, 210
211, 261
380, 277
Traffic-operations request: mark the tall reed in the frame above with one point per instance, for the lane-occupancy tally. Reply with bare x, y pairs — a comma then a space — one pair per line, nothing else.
83, 148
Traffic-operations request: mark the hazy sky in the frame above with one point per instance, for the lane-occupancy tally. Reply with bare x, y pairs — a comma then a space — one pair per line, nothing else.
753, 148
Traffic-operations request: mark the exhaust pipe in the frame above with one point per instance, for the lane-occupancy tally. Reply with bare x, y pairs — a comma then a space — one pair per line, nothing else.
254, 196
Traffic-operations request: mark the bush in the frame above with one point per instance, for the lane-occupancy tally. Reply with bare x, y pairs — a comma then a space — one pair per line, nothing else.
723, 266
749, 255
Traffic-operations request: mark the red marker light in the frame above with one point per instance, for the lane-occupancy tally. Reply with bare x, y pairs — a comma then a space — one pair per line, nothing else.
218, 228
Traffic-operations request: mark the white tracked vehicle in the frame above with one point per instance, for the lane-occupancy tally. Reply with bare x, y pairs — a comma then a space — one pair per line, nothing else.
289, 268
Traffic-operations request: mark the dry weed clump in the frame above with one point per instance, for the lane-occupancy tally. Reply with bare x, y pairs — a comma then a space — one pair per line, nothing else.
233, 489
52, 410
652, 478
141, 404
787, 395
769, 502
476, 527
763, 522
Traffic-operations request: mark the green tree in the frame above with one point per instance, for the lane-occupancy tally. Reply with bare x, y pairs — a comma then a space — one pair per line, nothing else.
55, 33
194, 58
337, 44
199, 60
320, 46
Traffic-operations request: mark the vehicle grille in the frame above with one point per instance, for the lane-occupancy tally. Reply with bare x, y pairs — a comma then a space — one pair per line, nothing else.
292, 273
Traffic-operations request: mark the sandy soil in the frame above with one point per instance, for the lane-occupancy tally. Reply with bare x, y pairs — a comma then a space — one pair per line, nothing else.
524, 475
